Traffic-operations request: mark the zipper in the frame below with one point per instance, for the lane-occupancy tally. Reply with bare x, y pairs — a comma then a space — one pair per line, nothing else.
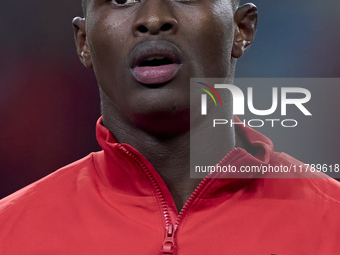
169, 241
203, 183
168, 246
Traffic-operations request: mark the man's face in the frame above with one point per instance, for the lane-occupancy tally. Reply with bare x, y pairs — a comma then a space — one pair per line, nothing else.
144, 54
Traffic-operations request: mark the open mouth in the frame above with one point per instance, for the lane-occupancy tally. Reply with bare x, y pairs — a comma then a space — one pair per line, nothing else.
155, 62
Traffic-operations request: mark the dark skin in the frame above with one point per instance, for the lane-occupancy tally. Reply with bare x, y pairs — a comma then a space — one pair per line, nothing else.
155, 120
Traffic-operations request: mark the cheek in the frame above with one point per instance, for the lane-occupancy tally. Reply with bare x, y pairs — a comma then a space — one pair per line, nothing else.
224, 27
107, 40
211, 40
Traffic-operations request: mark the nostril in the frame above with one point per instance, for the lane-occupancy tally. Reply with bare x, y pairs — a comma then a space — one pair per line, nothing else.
142, 29
166, 27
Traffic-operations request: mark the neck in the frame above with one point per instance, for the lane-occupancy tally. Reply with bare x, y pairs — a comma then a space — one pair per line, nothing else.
170, 155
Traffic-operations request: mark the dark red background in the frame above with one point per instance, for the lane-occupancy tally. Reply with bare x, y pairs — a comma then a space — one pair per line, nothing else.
49, 102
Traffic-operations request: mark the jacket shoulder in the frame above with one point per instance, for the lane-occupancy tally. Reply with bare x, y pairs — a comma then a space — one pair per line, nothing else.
47, 189
308, 181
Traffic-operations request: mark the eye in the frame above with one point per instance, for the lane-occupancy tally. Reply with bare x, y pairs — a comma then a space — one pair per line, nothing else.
125, 2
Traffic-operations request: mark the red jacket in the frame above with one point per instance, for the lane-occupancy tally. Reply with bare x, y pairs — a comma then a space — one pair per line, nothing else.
114, 202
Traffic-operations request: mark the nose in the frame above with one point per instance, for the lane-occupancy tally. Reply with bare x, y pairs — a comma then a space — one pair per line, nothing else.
155, 17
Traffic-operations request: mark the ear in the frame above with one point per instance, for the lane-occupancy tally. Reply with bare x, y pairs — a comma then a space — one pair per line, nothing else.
245, 27
83, 49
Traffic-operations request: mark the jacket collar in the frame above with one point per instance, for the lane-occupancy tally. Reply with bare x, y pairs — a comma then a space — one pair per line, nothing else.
123, 169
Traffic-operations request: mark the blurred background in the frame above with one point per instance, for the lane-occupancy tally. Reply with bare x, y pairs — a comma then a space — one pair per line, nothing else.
49, 102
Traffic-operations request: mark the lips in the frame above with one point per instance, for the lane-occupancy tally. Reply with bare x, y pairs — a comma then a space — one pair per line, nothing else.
155, 62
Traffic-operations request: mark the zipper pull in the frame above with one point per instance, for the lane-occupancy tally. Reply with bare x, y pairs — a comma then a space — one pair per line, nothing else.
169, 241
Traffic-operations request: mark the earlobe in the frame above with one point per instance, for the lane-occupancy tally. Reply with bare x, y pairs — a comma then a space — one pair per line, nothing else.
245, 27
80, 38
